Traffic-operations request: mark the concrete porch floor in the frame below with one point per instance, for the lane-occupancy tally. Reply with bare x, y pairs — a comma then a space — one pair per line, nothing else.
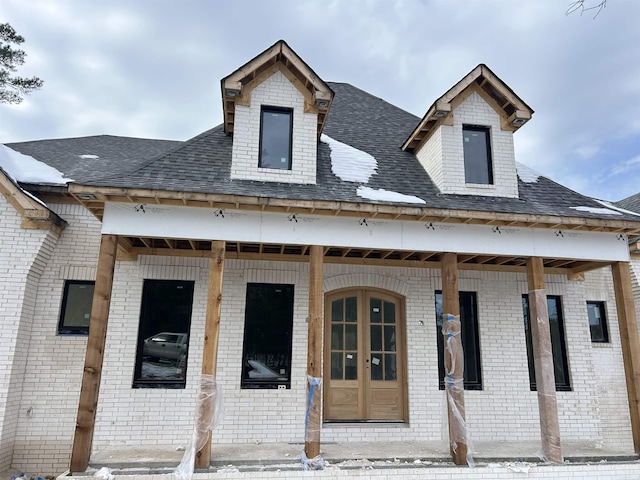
250, 457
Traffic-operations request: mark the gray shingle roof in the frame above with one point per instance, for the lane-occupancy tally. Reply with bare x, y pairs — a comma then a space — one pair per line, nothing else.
630, 203
115, 154
368, 123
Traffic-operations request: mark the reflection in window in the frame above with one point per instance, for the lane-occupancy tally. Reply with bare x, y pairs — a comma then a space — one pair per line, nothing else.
597, 322
76, 307
266, 356
470, 340
275, 138
558, 345
163, 334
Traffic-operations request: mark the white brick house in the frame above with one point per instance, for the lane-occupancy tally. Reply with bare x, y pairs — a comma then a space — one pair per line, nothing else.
262, 253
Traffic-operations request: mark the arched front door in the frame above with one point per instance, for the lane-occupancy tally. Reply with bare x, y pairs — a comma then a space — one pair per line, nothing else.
364, 364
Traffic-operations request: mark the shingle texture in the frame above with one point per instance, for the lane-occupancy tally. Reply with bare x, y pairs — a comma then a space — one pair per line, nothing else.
630, 203
368, 123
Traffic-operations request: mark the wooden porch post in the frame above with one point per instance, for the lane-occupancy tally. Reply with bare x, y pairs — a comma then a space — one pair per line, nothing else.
453, 359
314, 349
90, 389
628, 325
543, 361
211, 334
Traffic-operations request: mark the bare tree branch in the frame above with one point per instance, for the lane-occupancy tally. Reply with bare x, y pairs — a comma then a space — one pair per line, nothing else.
579, 5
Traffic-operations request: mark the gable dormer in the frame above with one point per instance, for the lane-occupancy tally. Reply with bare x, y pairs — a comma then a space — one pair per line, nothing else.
275, 107
465, 140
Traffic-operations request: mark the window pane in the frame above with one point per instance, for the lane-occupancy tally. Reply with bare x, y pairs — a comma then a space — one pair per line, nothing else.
75, 311
390, 367
351, 337
375, 310
376, 338
597, 322
376, 366
336, 337
469, 336
336, 310
163, 334
275, 138
558, 344
389, 312
477, 155
389, 338
351, 310
266, 357
336, 365
351, 366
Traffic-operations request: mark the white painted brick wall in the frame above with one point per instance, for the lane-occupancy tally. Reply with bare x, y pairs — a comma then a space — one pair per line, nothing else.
595, 411
443, 156
23, 256
276, 91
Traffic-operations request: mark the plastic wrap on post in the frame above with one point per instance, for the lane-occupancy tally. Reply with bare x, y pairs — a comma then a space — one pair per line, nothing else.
208, 415
543, 362
454, 385
312, 422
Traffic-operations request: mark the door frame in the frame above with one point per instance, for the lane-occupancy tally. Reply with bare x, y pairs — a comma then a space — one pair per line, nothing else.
401, 347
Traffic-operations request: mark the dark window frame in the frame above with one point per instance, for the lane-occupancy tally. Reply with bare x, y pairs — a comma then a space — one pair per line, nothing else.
603, 324
265, 109
73, 329
473, 162
468, 304
149, 321
251, 333
558, 356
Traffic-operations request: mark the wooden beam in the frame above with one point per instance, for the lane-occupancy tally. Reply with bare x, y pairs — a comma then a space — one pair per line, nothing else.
90, 388
628, 325
314, 350
543, 361
211, 334
453, 359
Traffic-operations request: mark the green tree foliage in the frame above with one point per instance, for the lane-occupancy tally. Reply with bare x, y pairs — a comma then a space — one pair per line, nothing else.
13, 88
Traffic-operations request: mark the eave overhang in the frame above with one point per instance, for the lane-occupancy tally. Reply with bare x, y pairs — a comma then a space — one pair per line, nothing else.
513, 111
34, 214
237, 87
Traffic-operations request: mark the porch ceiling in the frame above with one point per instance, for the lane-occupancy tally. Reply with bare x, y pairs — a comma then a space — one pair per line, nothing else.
131, 247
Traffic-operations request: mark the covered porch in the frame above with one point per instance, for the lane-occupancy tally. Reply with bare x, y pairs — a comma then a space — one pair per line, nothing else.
128, 232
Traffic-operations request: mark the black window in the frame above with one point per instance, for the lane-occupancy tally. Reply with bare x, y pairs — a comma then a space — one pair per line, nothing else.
76, 307
477, 154
268, 323
470, 340
275, 138
598, 322
163, 334
558, 346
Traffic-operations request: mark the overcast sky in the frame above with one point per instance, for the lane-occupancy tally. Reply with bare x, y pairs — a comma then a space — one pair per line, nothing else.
152, 68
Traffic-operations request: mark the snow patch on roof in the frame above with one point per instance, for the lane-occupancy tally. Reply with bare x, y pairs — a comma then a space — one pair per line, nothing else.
616, 208
526, 173
92, 157
602, 211
386, 195
349, 163
26, 169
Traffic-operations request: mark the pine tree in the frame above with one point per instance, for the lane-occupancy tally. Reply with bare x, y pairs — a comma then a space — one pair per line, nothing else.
13, 88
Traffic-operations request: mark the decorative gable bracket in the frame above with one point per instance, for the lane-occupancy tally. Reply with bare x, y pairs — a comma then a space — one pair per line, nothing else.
513, 111
237, 87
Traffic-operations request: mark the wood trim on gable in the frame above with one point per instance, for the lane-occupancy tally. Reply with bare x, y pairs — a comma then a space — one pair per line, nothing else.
513, 111
236, 87
35, 216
